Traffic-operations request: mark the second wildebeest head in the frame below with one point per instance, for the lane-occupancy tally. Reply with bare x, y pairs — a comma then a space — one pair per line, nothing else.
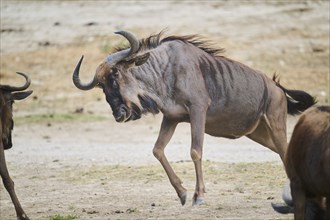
8, 94
127, 98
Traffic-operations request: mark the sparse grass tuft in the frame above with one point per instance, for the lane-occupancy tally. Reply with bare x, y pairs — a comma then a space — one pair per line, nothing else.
131, 210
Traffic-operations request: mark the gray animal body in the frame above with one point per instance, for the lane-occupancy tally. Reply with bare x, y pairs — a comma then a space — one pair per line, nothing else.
188, 81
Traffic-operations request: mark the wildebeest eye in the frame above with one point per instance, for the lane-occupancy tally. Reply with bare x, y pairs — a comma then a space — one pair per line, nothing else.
115, 85
113, 79
114, 71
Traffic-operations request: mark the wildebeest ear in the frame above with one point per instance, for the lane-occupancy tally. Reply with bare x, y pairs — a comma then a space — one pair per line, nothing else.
139, 60
21, 95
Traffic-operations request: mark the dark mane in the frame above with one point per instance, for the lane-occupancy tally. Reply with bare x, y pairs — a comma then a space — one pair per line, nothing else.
197, 41
155, 40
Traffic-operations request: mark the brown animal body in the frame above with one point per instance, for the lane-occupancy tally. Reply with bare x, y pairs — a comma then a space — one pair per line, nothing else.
188, 81
7, 96
307, 163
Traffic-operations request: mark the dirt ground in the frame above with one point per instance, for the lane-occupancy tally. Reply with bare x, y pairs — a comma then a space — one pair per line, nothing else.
70, 157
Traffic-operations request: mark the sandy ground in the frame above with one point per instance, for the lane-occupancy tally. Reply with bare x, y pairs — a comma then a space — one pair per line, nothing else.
88, 166
84, 170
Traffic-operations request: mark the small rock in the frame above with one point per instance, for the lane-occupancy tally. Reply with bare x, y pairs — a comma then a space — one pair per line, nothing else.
79, 110
91, 23
92, 212
317, 49
44, 43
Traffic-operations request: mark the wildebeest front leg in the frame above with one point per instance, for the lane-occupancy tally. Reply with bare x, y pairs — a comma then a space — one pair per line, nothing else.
166, 132
197, 121
9, 185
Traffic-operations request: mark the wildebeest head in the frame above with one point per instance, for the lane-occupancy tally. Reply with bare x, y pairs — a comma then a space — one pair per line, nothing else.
115, 76
8, 94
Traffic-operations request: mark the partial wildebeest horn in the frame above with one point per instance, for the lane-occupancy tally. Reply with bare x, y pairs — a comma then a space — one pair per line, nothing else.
77, 81
20, 88
134, 43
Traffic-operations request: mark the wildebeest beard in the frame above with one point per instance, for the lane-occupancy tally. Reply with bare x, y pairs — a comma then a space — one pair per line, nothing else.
124, 113
6, 139
148, 105
7, 142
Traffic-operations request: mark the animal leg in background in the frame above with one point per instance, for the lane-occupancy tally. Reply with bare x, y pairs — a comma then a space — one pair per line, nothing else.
9, 185
298, 195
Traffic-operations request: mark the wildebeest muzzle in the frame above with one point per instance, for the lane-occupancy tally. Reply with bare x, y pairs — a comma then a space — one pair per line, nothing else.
122, 113
125, 114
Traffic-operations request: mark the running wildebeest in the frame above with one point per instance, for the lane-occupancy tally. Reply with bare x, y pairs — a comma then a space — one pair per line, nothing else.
307, 163
8, 94
188, 81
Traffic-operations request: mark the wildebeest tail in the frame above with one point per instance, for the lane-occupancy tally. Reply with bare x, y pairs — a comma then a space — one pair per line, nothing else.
298, 100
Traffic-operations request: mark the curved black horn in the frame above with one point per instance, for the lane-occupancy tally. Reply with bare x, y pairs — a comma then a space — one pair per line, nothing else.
18, 88
134, 43
78, 83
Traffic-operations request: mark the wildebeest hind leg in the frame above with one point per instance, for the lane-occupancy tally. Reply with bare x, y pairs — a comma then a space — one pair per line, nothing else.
166, 132
271, 131
9, 185
262, 135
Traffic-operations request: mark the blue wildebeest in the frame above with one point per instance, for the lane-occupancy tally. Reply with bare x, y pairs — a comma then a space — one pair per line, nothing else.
188, 81
307, 163
8, 94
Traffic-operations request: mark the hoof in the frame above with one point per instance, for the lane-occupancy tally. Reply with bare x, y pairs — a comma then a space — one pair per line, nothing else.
22, 217
198, 201
286, 194
183, 198
282, 208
